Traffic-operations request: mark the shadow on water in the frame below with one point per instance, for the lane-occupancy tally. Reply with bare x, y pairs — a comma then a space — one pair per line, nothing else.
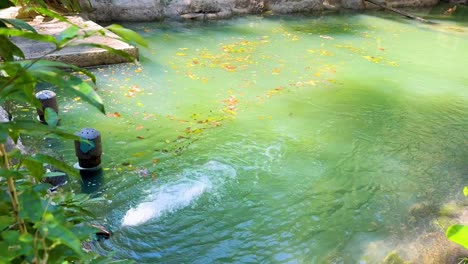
92, 181
385, 152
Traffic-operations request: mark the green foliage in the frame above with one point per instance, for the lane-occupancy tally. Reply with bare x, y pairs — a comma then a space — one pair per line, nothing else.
56, 5
459, 233
37, 226
127, 34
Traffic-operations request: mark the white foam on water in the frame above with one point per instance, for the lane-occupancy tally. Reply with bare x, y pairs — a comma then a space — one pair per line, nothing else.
179, 194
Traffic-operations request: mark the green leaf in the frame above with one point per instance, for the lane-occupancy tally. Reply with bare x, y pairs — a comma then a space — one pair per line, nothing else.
51, 117
6, 221
8, 252
458, 234
62, 234
14, 136
465, 191
86, 92
15, 154
30, 126
3, 136
127, 34
54, 174
52, 14
79, 87
56, 163
26, 238
18, 24
53, 65
120, 53
8, 49
41, 187
10, 173
11, 236
69, 33
32, 206
35, 168
5, 4
24, 34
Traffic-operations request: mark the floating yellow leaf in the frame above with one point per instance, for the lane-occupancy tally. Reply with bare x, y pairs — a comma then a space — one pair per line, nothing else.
276, 71
181, 54
325, 53
373, 59
138, 154
229, 67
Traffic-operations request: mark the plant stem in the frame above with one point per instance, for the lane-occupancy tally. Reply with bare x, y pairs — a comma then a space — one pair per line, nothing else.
12, 191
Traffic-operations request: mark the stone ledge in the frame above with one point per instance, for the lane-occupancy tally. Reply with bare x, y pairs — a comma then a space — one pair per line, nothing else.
83, 56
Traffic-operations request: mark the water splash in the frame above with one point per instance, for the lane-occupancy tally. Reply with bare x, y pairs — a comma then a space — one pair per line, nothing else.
176, 195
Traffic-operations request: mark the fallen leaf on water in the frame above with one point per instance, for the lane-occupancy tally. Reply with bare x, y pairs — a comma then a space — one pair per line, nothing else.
229, 67
139, 127
138, 154
373, 59
275, 71
381, 49
325, 53
140, 137
115, 114
181, 54
155, 161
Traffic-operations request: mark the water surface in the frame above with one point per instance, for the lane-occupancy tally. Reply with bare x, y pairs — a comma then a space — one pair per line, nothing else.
279, 139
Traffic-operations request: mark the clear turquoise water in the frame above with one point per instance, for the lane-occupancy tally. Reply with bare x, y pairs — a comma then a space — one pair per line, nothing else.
279, 139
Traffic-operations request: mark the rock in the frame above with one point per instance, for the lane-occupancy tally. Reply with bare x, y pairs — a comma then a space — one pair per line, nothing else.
295, 6
56, 181
423, 210
393, 258
451, 210
103, 233
436, 248
411, 3
149, 10
123, 10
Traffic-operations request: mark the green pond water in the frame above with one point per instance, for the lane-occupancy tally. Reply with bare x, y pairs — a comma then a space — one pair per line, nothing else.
278, 139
